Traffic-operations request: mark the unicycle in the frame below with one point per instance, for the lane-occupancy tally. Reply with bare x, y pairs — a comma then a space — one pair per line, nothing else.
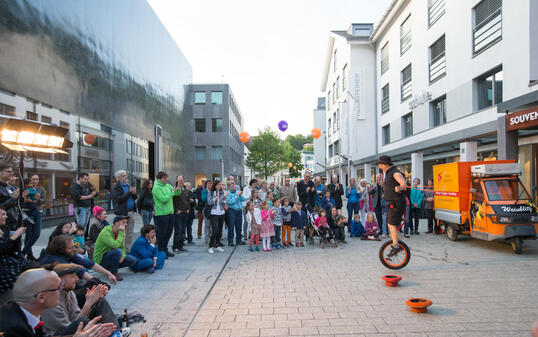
397, 261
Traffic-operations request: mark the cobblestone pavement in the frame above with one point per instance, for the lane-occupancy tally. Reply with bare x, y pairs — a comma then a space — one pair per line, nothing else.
477, 288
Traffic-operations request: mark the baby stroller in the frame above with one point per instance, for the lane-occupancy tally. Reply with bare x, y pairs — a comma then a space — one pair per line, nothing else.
324, 238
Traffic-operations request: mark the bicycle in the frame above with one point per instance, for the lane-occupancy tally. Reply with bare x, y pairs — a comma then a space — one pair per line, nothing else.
397, 261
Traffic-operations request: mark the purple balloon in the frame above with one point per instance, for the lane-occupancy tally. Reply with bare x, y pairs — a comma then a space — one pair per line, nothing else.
283, 125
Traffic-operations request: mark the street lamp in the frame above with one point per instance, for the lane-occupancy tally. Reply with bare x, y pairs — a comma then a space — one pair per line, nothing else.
22, 136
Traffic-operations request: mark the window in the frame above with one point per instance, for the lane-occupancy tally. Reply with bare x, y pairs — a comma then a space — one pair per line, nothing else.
31, 116
329, 125
407, 125
199, 125
334, 61
487, 24
199, 152
336, 147
334, 121
7, 109
344, 78
46, 119
199, 97
329, 100
385, 58
331, 151
338, 119
386, 134
406, 88
438, 112
216, 124
405, 35
385, 103
216, 97
64, 124
490, 88
216, 152
337, 86
436, 9
362, 30
63, 157
128, 146
437, 64
334, 93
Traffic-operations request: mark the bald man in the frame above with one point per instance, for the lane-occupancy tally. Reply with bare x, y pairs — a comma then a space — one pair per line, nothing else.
35, 290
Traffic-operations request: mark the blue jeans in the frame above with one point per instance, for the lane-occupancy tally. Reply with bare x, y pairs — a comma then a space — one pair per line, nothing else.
407, 219
180, 224
235, 222
275, 240
148, 263
146, 216
385, 228
165, 227
111, 260
82, 215
32, 230
353, 207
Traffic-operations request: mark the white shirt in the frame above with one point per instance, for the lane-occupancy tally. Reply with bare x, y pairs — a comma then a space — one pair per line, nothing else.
257, 218
246, 194
32, 320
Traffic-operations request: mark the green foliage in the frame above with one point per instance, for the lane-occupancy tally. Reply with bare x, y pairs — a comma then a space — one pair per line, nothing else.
291, 155
308, 148
266, 153
299, 140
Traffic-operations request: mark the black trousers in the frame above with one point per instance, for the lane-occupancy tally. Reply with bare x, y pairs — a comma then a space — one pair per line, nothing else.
339, 233
165, 227
180, 225
216, 230
428, 213
415, 215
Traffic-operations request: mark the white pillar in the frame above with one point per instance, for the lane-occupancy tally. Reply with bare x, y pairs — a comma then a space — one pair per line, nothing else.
367, 173
417, 167
468, 151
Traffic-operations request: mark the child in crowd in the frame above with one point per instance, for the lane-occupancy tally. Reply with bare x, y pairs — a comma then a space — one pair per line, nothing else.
269, 199
327, 202
254, 221
268, 229
286, 223
371, 228
255, 198
357, 229
340, 223
277, 222
78, 239
323, 227
384, 211
298, 219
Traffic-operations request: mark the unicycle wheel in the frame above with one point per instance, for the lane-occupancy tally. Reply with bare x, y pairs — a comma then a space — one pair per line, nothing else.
397, 261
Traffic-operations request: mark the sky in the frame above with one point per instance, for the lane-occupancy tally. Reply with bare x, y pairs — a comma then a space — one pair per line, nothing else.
272, 53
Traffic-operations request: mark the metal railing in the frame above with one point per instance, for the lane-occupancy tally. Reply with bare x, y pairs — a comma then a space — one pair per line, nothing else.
437, 67
488, 32
406, 90
405, 42
384, 65
385, 105
435, 11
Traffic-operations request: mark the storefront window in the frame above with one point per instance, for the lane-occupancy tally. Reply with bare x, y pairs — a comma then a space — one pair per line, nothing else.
360, 174
524, 160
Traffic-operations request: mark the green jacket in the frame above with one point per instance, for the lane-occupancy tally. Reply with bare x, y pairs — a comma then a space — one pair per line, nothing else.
162, 197
106, 242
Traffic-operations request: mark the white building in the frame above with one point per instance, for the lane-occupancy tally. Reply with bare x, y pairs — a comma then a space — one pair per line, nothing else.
320, 145
349, 82
442, 67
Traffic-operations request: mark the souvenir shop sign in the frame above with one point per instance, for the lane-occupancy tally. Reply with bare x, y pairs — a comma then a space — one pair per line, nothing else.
522, 119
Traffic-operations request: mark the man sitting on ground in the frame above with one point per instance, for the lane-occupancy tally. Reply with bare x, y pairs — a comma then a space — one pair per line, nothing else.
148, 257
64, 318
109, 249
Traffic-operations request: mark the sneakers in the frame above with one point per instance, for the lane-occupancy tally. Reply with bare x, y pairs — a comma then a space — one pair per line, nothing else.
384, 236
169, 254
123, 332
417, 233
231, 244
150, 270
250, 249
290, 244
343, 241
302, 244
406, 235
394, 251
285, 245
191, 243
297, 244
211, 250
241, 243
176, 250
117, 276
257, 249
220, 249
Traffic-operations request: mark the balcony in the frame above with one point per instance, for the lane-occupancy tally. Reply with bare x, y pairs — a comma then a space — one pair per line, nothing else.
435, 11
406, 90
488, 32
385, 106
437, 67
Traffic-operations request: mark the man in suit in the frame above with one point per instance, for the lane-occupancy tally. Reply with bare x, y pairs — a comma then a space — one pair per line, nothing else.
35, 290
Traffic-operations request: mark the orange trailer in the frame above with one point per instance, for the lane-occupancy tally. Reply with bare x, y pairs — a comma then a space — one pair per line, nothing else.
484, 199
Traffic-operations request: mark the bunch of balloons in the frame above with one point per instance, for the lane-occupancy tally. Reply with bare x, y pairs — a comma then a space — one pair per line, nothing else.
282, 126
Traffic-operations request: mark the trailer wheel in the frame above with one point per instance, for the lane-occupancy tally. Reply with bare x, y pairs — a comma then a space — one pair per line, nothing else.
452, 232
517, 245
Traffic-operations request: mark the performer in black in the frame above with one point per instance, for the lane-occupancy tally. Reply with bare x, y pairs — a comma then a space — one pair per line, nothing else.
393, 187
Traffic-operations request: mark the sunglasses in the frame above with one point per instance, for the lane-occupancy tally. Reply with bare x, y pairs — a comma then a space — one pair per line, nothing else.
60, 288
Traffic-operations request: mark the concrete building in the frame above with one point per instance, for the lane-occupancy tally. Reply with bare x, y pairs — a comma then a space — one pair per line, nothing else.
320, 145
443, 69
90, 71
349, 82
217, 122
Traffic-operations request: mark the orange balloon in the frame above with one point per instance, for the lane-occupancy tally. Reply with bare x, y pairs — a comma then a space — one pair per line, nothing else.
316, 133
290, 164
90, 139
244, 136
295, 167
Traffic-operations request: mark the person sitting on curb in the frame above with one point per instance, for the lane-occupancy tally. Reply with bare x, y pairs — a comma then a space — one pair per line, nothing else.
97, 223
109, 248
64, 318
34, 291
148, 257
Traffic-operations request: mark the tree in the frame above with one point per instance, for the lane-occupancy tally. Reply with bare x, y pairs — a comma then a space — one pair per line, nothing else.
291, 155
299, 140
265, 153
